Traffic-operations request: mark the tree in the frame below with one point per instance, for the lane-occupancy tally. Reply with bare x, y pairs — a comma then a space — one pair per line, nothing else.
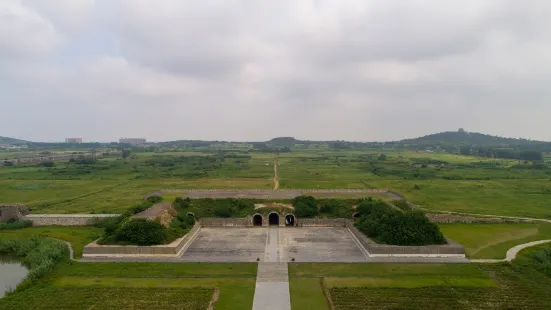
141, 232
126, 153
382, 157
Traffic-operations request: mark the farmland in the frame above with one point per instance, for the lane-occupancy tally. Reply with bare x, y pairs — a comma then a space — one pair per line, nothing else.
435, 181
402, 286
139, 286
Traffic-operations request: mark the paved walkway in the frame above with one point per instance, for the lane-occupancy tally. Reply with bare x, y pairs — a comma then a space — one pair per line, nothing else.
511, 253
272, 279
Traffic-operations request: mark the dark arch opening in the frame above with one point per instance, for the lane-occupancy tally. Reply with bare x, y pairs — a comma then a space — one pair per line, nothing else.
190, 214
356, 216
290, 220
273, 219
257, 220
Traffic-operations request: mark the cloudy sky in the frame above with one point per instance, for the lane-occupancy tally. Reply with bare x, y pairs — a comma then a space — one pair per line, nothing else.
251, 70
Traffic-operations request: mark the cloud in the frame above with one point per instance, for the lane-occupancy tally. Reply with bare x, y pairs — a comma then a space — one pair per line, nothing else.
240, 70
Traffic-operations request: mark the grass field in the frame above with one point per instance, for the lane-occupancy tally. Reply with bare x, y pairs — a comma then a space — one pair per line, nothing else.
493, 240
77, 236
139, 286
418, 286
435, 181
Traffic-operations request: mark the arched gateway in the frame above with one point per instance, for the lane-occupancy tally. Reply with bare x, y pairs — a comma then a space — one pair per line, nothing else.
273, 218
257, 220
289, 220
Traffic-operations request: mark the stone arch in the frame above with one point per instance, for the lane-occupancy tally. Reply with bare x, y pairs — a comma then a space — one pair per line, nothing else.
290, 220
190, 214
257, 220
273, 218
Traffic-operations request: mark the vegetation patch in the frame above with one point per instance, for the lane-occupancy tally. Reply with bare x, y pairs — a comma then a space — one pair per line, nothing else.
542, 260
40, 255
492, 240
397, 227
15, 224
126, 230
30, 187
93, 297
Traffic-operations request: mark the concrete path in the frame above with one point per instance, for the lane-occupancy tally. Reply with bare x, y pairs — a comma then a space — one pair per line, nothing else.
272, 279
512, 252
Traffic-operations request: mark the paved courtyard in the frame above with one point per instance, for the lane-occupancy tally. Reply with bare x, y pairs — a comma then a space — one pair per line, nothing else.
227, 245
277, 244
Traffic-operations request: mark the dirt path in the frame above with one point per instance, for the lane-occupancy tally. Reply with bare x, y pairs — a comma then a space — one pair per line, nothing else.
276, 178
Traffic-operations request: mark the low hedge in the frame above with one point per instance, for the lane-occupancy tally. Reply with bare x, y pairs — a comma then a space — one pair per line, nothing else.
15, 224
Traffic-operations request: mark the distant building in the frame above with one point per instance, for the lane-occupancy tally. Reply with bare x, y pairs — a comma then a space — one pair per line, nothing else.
73, 140
132, 141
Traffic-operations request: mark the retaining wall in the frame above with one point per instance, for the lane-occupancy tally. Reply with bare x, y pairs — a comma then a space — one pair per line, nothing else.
172, 250
451, 249
443, 218
306, 222
226, 222
65, 219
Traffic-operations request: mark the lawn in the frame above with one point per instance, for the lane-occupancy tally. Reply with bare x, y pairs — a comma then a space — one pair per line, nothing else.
418, 286
139, 286
493, 240
77, 236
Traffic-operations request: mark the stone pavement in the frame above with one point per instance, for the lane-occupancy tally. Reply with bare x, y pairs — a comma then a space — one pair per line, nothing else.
272, 279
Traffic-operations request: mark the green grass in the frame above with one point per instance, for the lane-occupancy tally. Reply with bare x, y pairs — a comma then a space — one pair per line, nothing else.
493, 240
465, 184
93, 297
135, 270
140, 286
77, 236
309, 270
307, 294
420, 286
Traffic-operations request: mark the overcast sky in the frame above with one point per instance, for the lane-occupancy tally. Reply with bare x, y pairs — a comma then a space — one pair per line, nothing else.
252, 70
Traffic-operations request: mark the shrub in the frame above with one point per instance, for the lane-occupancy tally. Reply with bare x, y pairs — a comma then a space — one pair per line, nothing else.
140, 207
15, 224
40, 255
141, 232
305, 210
154, 199
222, 211
416, 187
305, 206
542, 260
391, 226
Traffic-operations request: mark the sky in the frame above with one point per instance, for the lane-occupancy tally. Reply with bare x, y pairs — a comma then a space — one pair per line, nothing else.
357, 70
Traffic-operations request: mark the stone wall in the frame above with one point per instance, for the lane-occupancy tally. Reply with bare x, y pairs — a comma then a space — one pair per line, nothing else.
451, 249
444, 218
306, 222
65, 219
173, 249
226, 222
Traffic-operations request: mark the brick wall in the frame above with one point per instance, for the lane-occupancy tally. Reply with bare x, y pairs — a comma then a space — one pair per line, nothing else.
65, 219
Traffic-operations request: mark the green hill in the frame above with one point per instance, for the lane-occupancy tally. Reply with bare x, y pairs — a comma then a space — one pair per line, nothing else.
462, 137
6, 140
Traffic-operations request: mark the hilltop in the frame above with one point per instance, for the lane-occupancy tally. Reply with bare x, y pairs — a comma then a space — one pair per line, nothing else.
6, 140
462, 137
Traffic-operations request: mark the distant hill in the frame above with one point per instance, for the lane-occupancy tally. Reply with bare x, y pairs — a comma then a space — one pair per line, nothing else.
283, 141
462, 137
6, 140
